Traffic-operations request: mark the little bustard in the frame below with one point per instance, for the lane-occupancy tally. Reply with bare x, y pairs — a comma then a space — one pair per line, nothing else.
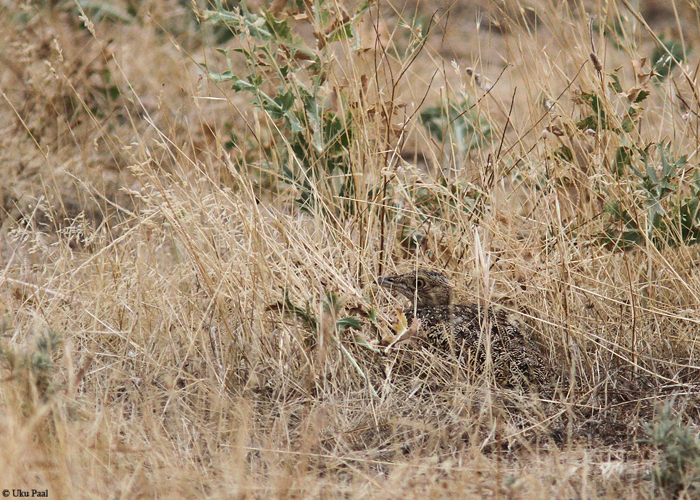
471, 331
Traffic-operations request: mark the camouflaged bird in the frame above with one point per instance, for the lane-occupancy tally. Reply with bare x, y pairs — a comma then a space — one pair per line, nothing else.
464, 330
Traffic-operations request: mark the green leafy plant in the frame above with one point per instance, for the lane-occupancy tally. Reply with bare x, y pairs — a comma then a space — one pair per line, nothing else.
287, 80
332, 307
598, 116
458, 124
33, 369
678, 466
102, 10
652, 195
666, 204
664, 59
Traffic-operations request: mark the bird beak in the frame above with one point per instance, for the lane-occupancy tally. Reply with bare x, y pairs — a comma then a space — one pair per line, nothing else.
386, 282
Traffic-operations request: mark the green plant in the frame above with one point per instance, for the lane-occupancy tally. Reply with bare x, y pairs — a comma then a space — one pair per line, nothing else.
33, 369
459, 125
651, 195
663, 60
327, 327
656, 214
288, 82
332, 305
598, 117
678, 466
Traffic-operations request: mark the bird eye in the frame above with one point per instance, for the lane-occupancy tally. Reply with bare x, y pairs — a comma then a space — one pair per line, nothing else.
420, 283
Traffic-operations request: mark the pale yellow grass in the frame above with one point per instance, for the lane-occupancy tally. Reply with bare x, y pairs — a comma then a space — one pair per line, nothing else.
159, 258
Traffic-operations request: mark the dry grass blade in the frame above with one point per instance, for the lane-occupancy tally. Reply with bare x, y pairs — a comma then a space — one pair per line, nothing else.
197, 200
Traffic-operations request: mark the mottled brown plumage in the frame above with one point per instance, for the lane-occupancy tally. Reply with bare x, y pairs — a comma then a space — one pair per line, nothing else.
470, 331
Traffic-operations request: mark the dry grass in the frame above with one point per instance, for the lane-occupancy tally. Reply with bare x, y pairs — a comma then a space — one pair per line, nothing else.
148, 350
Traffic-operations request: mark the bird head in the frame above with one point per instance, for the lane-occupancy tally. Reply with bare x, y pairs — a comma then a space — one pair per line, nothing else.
427, 288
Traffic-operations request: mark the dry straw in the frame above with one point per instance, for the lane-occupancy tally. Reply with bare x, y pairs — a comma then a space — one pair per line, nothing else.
186, 270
